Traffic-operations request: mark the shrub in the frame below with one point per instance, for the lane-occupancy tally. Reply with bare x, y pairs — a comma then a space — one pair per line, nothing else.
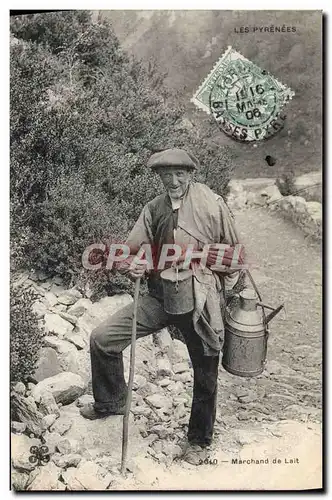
25, 334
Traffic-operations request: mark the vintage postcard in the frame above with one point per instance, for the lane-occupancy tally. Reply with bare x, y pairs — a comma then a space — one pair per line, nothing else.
166, 250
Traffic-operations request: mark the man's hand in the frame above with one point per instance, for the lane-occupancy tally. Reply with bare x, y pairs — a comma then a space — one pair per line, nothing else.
136, 271
225, 266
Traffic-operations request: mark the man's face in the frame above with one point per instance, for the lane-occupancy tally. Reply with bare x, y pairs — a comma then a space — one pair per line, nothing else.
175, 180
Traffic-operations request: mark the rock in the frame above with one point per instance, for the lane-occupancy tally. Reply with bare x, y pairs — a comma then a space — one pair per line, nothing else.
57, 280
139, 381
157, 446
159, 401
84, 400
26, 411
249, 397
68, 355
180, 352
51, 441
180, 367
271, 194
19, 388
161, 431
183, 377
147, 389
163, 341
65, 387
65, 461
68, 317
274, 367
46, 285
164, 382
58, 289
20, 452
17, 427
68, 446
48, 364
315, 210
107, 306
310, 185
67, 298
184, 399
39, 308
141, 410
177, 388
46, 478
179, 412
61, 425
80, 307
47, 404
57, 325
87, 476
19, 480
50, 299
164, 367
237, 196
76, 340
49, 420
243, 437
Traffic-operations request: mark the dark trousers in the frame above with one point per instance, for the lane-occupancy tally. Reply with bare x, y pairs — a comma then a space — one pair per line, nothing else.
112, 336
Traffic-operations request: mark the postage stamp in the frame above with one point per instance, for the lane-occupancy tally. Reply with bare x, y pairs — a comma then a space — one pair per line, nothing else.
245, 100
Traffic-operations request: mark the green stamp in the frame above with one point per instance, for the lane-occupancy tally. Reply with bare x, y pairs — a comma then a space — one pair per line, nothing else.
245, 100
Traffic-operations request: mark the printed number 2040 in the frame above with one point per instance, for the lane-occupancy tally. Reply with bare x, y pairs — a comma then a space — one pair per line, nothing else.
208, 461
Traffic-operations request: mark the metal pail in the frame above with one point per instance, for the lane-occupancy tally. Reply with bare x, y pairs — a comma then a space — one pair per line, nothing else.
178, 290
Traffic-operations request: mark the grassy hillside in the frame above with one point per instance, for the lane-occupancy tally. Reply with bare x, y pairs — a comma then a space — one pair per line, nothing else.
186, 44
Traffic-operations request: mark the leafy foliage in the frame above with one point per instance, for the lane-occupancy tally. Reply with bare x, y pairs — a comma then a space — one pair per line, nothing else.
25, 335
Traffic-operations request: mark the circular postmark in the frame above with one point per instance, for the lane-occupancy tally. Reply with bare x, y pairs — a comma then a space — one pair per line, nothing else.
246, 101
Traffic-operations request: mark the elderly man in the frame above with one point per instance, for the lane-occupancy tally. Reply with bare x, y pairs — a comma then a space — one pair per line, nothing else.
187, 213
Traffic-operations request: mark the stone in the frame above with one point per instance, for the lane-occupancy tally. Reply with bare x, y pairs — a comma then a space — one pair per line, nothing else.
26, 411
180, 352
65, 387
315, 210
46, 478
67, 354
163, 341
20, 452
141, 410
47, 404
67, 446
61, 425
177, 388
17, 427
19, 480
57, 325
76, 339
51, 441
310, 185
57, 280
249, 397
49, 420
87, 476
161, 431
84, 400
139, 381
159, 401
183, 377
46, 285
50, 299
244, 437
274, 367
65, 461
164, 382
47, 365
180, 367
68, 317
157, 446
237, 196
39, 308
80, 307
67, 298
58, 289
19, 388
184, 399
164, 367
179, 412
108, 306
271, 194
147, 389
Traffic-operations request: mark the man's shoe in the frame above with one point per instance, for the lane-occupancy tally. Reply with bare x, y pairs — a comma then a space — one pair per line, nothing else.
88, 411
194, 454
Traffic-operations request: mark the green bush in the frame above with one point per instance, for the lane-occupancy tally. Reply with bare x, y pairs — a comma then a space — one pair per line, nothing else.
84, 120
25, 334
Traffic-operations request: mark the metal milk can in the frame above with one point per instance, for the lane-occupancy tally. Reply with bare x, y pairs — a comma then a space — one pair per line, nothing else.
246, 334
178, 290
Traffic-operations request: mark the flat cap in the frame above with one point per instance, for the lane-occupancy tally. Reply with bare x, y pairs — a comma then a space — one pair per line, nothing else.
173, 158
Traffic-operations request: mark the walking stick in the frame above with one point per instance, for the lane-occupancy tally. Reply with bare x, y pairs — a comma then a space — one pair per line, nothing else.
130, 381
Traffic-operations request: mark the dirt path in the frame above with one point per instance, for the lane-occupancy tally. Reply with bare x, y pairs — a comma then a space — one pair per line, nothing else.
277, 415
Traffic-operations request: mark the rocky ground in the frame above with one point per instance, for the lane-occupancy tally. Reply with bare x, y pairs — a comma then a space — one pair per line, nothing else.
276, 415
